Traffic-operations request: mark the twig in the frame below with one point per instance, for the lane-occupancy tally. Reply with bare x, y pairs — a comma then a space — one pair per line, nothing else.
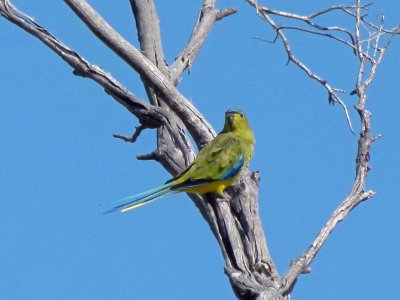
350, 44
135, 135
208, 15
149, 156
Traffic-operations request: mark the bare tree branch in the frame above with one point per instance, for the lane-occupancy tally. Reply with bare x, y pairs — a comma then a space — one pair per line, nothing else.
249, 263
331, 36
361, 47
147, 114
150, 116
147, 24
300, 265
133, 138
208, 15
333, 97
199, 128
148, 27
149, 36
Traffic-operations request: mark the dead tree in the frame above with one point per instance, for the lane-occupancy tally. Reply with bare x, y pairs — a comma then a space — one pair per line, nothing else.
234, 220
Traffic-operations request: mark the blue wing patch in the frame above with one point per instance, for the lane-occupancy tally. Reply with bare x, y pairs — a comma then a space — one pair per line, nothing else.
235, 168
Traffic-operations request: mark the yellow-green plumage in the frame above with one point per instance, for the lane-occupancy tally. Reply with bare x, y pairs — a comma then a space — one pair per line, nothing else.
216, 167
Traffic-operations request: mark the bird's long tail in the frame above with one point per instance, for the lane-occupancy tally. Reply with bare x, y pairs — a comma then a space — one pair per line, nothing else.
141, 199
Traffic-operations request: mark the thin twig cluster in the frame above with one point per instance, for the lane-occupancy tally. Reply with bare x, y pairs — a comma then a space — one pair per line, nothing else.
369, 48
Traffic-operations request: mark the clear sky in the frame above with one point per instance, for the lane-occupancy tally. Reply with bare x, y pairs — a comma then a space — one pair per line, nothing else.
59, 162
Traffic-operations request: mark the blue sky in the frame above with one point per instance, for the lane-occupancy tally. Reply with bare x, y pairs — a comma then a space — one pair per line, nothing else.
59, 162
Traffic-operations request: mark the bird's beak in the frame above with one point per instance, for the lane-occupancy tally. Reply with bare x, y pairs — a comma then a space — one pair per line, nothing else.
230, 120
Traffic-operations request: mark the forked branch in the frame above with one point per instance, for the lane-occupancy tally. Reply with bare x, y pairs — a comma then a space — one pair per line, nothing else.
208, 15
196, 124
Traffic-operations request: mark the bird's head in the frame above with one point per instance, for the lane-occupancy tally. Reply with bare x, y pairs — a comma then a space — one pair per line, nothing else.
235, 119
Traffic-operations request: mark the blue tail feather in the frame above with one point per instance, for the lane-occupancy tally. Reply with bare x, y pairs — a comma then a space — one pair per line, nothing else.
138, 200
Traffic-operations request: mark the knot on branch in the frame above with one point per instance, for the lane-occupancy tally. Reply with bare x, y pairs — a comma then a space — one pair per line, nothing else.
300, 263
225, 12
244, 285
255, 176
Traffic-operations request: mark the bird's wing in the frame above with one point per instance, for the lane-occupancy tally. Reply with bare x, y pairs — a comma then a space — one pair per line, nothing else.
224, 159
221, 159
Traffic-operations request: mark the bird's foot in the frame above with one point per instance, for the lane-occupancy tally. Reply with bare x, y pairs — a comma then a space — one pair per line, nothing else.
216, 198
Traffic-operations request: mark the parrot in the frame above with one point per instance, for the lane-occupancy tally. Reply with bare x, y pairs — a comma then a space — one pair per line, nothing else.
215, 168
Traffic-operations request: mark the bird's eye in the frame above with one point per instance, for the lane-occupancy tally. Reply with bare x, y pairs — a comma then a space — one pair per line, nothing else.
242, 115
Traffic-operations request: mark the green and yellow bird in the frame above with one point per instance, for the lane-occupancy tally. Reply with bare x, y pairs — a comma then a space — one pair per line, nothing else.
216, 167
